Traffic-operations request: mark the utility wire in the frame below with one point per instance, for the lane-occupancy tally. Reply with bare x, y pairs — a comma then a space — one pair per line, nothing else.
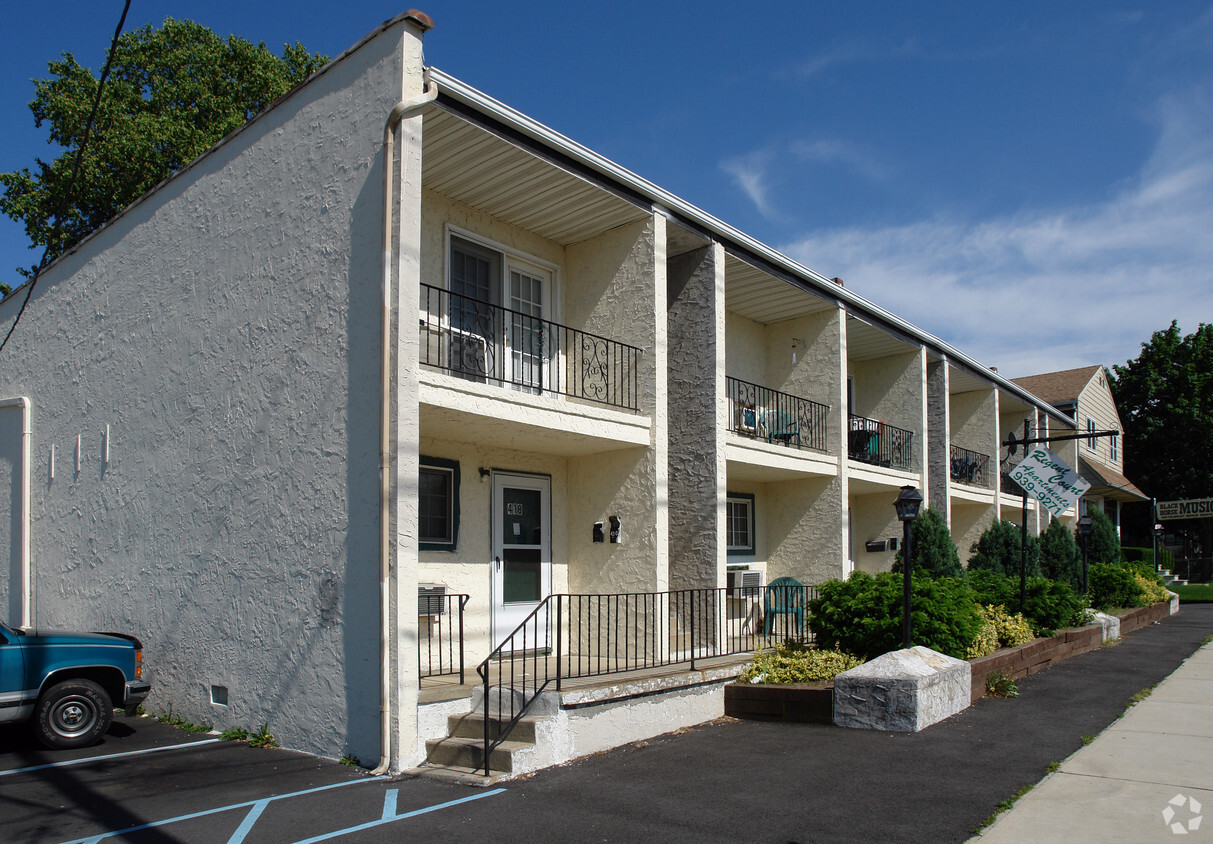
67, 192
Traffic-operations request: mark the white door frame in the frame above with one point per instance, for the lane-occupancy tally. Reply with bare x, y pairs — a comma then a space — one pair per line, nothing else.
507, 615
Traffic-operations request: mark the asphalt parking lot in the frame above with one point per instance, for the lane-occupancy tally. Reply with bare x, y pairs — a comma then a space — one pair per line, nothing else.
726, 781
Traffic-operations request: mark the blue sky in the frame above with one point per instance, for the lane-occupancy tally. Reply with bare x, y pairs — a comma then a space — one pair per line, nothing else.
1032, 182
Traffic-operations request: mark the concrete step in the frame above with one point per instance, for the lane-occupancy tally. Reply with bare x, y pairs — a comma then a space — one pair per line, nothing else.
458, 775
466, 752
471, 725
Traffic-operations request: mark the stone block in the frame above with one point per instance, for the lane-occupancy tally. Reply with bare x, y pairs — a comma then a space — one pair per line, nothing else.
903, 691
1174, 602
1110, 624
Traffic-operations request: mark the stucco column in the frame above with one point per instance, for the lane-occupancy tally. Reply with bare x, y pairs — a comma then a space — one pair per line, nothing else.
695, 387
938, 444
401, 622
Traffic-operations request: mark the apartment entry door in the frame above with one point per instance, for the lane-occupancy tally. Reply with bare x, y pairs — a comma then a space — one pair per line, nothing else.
522, 554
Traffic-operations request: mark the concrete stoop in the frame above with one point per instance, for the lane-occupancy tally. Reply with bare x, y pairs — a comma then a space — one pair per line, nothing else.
574, 723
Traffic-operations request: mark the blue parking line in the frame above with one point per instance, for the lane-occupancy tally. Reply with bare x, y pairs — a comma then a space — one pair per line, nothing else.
92, 839
390, 799
109, 756
249, 820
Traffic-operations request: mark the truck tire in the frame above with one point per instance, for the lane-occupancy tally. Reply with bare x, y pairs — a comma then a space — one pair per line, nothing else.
74, 713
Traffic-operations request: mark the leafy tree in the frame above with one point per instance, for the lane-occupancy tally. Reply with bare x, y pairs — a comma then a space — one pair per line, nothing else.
1060, 559
1104, 544
172, 93
935, 553
997, 550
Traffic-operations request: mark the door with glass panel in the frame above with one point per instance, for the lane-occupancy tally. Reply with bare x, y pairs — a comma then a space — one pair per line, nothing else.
530, 346
522, 554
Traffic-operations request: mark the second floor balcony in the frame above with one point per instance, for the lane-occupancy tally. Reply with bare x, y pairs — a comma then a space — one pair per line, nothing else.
879, 443
766, 414
970, 467
479, 341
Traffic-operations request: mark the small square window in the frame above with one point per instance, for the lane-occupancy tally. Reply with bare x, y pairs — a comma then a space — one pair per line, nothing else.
739, 523
438, 504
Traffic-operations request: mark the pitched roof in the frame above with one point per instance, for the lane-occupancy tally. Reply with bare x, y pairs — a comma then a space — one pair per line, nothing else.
1057, 387
1109, 483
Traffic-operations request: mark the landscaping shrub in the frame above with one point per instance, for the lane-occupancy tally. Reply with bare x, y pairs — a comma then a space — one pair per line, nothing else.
993, 588
1103, 545
986, 641
792, 662
1060, 559
997, 550
1152, 589
863, 614
934, 551
1113, 587
1050, 605
1013, 630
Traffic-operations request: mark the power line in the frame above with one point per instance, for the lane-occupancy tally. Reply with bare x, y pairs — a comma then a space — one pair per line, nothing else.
67, 192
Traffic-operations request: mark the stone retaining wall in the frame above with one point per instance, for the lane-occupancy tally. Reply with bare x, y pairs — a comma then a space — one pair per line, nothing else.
1143, 616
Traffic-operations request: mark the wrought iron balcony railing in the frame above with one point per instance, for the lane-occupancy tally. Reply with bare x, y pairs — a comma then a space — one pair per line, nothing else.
776, 417
970, 467
479, 341
879, 443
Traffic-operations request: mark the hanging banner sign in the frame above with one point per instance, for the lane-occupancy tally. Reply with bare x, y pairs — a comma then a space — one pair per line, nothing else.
1191, 508
1048, 479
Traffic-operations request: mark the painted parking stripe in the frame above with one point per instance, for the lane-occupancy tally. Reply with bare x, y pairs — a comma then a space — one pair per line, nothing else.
93, 839
389, 802
249, 819
109, 756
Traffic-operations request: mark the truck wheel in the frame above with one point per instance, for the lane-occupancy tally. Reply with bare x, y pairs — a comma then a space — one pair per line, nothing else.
74, 713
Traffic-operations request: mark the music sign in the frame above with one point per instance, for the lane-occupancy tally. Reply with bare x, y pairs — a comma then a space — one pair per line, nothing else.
1047, 478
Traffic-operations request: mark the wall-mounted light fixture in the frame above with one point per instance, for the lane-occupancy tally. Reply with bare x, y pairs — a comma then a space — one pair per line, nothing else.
616, 529
797, 343
485, 472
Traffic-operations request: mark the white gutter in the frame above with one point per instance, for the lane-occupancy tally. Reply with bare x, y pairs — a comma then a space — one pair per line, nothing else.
26, 573
401, 111
664, 200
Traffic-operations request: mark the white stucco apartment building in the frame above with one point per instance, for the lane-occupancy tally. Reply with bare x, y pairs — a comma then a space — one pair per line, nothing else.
392, 334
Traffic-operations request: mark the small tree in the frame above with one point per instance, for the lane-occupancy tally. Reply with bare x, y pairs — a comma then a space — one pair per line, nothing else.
935, 553
997, 550
1104, 544
1060, 559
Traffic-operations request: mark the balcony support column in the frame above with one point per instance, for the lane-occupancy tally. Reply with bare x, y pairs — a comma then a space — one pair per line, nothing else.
937, 444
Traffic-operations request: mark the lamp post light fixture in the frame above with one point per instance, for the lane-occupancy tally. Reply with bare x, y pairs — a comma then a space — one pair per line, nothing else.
1158, 532
908, 502
1085, 527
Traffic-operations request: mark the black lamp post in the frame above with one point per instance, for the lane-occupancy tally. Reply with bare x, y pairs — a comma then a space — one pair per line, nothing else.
909, 500
1084, 530
1158, 532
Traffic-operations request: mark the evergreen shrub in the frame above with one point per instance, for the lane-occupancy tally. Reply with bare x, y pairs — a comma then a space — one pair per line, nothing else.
1113, 587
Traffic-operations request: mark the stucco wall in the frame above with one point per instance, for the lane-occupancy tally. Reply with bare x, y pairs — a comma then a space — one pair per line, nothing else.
890, 389
938, 449
10, 515
874, 518
696, 323
802, 532
226, 330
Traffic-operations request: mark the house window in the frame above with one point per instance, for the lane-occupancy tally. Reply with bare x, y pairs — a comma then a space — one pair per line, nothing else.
739, 523
1092, 440
438, 504
1114, 447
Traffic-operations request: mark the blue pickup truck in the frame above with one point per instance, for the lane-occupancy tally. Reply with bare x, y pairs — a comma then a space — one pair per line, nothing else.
67, 684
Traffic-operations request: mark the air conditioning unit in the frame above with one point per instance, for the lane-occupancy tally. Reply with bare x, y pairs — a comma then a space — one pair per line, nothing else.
431, 599
878, 545
744, 583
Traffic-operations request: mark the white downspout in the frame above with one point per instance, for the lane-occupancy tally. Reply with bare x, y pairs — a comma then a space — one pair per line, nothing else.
401, 111
26, 573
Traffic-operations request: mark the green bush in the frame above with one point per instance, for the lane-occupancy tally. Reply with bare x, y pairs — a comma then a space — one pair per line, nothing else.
792, 662
993, 588
1059, 556
1152, 589
997, 550
999, 629
1103, 544
1048, 604
863, 614
934, 551
1113, 587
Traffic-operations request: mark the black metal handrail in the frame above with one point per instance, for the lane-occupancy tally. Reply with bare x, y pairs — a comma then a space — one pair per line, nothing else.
763, 413
1008, 486
440, 649
480, 341
879, 443
970, 467
573, 636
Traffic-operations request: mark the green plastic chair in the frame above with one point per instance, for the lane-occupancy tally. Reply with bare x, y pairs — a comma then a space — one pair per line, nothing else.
779, 425
784, 596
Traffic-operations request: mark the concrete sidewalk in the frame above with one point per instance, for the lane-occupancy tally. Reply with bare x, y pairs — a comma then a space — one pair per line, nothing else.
1147, 777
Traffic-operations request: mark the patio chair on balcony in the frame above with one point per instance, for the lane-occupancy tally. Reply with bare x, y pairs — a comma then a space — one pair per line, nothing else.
784, 596
779, 425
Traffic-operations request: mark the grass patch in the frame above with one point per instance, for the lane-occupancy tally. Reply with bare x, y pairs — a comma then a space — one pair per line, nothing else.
1206, 640
181, 724
1137, 698
261, 738
1087, 740
1199, 593
1000, 685
1054, 767
1002, 807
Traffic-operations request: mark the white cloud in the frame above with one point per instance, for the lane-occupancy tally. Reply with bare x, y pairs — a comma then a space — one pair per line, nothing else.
1052, 289
750, 174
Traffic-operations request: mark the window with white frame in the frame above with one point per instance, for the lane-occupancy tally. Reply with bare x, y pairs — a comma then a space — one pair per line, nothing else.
1114, 447
739, 523
438, 504
1092, 440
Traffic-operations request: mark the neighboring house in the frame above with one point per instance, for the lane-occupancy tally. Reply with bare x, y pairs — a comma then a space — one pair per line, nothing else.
1085, 396
266, 416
